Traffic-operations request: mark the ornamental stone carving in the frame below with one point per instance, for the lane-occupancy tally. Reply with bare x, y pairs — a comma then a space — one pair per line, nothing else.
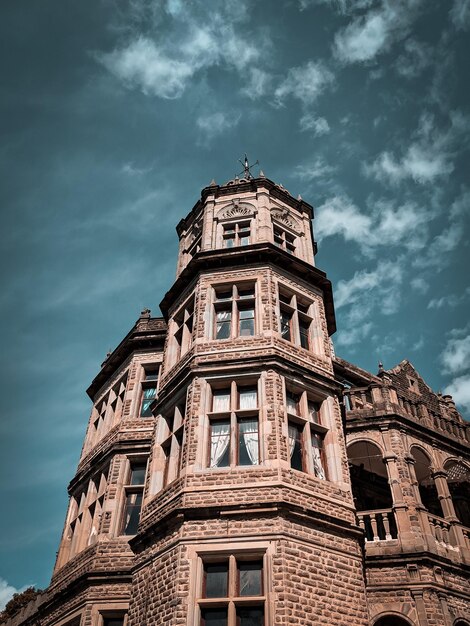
236, 209
284, 217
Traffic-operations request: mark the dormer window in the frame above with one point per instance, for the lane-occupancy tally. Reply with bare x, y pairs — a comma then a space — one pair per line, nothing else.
237, 234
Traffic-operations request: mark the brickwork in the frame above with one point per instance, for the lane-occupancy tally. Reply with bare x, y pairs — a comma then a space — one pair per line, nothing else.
346, 497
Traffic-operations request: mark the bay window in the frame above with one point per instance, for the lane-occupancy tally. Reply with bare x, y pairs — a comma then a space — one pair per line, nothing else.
134, 491
233, 591
237, 234
295, 318
305, 433
172, 444
149, 389
233, 426
234, 311
284, 239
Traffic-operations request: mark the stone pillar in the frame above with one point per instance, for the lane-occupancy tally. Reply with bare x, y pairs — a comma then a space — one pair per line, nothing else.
420, 508
399, 505
440, 479
420, 607
445, 608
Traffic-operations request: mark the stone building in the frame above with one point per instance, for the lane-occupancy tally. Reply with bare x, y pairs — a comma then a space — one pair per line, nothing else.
235, 472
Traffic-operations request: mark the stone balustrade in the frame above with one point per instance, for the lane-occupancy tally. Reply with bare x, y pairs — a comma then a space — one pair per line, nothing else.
378, 525
386, 401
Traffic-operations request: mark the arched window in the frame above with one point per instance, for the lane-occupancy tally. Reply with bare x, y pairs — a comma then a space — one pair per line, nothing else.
461, 622
426, 484
392, 620
371, 490
458, 479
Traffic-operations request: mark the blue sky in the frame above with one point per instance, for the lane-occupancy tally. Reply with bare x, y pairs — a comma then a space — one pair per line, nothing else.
114, 114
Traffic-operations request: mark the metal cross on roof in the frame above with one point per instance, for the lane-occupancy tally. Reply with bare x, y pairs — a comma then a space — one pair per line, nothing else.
246, 168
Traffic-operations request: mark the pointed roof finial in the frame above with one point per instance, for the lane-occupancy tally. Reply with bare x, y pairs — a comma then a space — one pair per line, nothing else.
299, 197
381, 367
261, 174
246, 168
212, 183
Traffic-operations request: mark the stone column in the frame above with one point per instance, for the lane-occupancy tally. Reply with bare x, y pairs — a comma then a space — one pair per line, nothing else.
420, 606
399, 505
420, 508
445, 608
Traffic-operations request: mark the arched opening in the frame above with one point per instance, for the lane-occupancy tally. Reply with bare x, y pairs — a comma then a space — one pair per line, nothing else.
461, 622
371, 491
458, 479
426, 485
392, 620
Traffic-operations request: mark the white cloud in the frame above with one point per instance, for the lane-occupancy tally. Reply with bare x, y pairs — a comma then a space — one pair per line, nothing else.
456, 354
142, 64
451, 300
416, 57
382, 282
215, 124
429, 156
459, 389
460, 14
383, 225
132, 170
367, 294
314, 170
7, 591
195, 37
306, 83
420, 285
258, 84
340, 216
438, 251
374, 32
318, 125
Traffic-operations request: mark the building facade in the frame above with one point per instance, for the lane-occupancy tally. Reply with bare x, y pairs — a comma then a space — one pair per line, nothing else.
235, 472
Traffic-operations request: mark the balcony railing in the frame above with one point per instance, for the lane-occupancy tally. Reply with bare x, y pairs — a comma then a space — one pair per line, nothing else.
440, 530
378, 525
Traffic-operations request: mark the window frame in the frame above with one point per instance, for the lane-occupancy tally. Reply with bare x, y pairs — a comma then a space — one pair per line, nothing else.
183, 324
234, 305
232, 601
172, 440
238, 228
148, 383
234, 415
309, 425
284, 239
299, 311
130, 489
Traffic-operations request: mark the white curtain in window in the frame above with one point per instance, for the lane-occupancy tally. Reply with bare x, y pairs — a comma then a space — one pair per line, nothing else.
224, 316
248, 399
293, 432
249, 432
316, 457
220, 440
292, 403
221, 400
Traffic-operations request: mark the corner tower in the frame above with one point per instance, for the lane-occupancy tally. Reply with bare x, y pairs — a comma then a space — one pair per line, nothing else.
248, 515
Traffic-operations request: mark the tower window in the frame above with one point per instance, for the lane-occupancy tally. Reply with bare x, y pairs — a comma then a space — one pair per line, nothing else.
295, 319
183, 334
172, 444
134, 491
284, 240
233, 592
233, 426
237, 234
234, 310
305, 433
149, 390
